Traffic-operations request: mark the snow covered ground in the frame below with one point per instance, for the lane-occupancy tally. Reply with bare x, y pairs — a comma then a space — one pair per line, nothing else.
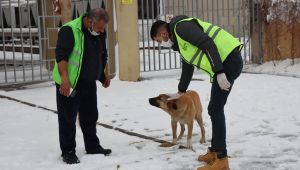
263, 126
286, 67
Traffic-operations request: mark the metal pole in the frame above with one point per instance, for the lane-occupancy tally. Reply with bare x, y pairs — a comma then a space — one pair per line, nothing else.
170, 58
228, 10
165, 61
154, 58
245, 21
30, 40
212, 11
148, 37
233, 6
178, 6
3, 42
259, 18
13, 43
43, 38
202, 9
218, 15
207, 10
223, 13
193, 8
252, 28
175, 59
143, 35
197, 8
21, 31
239, 22
158, 14
188, 7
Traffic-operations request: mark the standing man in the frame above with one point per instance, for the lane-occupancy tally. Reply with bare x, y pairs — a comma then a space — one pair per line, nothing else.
81, 58
215, 51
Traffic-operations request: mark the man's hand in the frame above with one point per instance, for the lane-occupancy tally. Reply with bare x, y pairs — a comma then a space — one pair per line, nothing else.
65, 86
223, 82
106, 83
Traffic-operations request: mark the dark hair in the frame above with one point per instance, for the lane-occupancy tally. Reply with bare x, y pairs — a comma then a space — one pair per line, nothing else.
155, 26
98, 14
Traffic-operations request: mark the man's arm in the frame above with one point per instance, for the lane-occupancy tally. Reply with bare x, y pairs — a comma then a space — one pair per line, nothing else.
64, 48
104, 79
192, 32
186, 76
104, 56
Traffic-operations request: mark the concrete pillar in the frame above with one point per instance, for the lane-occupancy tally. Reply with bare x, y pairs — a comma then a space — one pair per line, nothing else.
127, 35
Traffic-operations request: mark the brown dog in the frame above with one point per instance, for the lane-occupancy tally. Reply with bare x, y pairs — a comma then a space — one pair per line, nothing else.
184, 109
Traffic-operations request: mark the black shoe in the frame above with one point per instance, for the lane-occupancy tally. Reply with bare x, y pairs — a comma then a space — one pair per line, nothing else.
99, 150
70, 157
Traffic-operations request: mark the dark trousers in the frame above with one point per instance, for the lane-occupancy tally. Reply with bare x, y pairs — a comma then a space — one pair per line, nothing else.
84, 103
232, 66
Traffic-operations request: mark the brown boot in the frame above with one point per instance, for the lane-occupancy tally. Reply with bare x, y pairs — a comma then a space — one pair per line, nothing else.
208, 158
219, 164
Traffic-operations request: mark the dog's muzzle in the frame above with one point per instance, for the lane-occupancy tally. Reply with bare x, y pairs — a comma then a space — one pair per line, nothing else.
153, 102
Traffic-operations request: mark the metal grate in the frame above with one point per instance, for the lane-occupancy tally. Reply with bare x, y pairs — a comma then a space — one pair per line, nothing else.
28, 33
231, 15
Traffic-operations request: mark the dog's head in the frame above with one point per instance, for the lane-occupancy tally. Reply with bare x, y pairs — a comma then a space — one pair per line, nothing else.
163, 101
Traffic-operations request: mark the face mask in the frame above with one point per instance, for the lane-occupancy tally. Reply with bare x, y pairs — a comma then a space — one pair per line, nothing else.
168, 43
94, 33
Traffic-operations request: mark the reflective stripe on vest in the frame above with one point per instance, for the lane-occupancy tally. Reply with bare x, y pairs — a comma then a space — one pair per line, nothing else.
213, 37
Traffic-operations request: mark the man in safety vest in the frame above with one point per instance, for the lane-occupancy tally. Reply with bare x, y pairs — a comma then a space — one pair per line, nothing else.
215, 51
81, 58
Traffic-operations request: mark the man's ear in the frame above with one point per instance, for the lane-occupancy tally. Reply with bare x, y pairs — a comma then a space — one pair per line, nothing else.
172, 105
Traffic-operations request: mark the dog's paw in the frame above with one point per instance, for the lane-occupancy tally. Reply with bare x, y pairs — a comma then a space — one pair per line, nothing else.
189, 144
174, 141
179, 138
202, 140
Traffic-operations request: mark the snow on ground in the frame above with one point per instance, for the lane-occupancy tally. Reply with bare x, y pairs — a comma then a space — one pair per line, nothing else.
263, 126
286, 67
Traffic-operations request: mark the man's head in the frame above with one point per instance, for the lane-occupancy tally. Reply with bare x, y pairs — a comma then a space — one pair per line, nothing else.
96, 21
160, 33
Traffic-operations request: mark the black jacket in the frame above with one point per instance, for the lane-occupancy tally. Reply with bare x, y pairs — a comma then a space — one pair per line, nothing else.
94, 57
193, 33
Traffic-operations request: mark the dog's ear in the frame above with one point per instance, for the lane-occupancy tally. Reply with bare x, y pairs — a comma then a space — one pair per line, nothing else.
172, 105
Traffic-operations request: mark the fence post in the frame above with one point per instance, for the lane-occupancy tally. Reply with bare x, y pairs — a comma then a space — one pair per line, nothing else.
111, 67
256, 36
127, 35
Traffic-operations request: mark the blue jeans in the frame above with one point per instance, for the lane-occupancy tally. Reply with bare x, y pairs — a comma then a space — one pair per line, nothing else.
233, 66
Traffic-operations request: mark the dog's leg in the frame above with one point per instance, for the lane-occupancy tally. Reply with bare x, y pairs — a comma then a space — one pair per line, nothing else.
181, 131
174, 131
200, 122
190, 132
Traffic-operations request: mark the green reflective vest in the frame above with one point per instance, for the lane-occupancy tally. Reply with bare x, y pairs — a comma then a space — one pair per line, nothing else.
75, 58
224, 41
